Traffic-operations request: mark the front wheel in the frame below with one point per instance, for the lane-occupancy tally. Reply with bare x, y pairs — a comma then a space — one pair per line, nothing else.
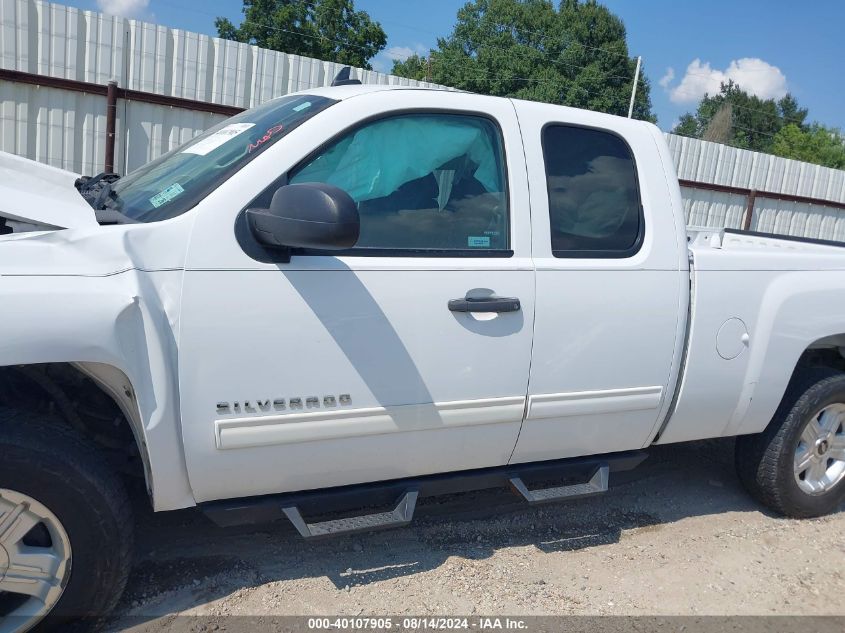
65, 526
797, 465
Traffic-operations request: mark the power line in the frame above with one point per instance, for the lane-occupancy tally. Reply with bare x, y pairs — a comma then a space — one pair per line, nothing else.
768, 114
495, 24
522, 49
546, 36
473, 70
274, 28
736, 160
518, 48
771, 115
753, 131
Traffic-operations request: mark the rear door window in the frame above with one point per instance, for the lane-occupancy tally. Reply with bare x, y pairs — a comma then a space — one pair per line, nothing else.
594, 198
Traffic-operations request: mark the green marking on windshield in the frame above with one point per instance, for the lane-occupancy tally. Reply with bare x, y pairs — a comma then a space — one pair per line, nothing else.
151, 193
167, 195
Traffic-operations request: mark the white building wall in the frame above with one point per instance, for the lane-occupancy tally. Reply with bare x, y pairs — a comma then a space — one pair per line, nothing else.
702, 161
67, 129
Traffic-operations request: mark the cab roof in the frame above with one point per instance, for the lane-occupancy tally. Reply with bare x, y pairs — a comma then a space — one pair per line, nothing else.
353, 90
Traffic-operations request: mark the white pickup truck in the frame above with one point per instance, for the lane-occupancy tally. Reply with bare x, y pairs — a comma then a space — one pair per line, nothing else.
343, 300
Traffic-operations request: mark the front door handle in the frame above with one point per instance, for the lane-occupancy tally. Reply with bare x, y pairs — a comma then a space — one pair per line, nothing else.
485, 304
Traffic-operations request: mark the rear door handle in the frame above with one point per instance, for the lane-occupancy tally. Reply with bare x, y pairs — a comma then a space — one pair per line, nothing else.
485, 304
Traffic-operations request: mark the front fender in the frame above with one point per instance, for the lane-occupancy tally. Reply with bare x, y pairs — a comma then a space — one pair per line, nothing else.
127, 321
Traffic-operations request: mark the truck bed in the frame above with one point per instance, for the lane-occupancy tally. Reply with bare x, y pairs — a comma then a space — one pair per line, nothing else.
756, 301
731, 249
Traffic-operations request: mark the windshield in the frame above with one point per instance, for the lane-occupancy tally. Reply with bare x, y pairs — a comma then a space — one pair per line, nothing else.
178, 180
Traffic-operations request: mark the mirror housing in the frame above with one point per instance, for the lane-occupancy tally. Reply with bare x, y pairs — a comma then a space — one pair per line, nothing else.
307, 215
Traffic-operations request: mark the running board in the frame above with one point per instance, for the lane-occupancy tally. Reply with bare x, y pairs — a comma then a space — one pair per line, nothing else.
597, 484
399, 516
351, 500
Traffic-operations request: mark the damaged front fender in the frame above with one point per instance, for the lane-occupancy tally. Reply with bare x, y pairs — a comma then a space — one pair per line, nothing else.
127, 321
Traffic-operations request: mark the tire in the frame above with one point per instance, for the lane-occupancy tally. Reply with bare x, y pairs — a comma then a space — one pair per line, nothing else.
768, 463
48, 470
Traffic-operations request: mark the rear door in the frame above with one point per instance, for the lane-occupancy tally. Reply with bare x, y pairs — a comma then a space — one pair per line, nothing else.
611, 295
333, 369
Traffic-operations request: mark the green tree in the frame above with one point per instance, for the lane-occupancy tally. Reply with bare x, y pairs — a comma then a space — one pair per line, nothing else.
413, 67
752, 123
331, 30
813, 144
574, 55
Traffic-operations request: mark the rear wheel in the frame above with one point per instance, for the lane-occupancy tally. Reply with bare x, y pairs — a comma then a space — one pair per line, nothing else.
797, 465
65, 526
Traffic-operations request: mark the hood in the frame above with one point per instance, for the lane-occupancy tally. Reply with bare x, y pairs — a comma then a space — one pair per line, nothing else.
39, 194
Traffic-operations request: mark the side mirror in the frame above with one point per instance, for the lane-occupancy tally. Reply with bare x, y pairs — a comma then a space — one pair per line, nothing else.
307, 215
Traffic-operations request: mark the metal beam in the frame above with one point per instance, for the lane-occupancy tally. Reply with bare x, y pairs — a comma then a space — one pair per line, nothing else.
216, 108
121, 93
771, 195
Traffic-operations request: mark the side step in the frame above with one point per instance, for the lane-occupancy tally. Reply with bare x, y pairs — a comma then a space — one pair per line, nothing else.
399, 516
591, 474
597, 484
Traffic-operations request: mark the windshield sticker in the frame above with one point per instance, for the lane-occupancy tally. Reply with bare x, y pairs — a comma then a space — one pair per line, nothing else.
267, 136
217, 139
478, 241
302, 106
167, 195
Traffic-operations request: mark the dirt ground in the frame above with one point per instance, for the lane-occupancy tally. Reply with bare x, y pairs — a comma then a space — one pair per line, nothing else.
676, 536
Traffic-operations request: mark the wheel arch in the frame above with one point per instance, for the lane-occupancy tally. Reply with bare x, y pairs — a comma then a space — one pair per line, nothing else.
780, 367
62, 398
796, 321
119, 330
116, 384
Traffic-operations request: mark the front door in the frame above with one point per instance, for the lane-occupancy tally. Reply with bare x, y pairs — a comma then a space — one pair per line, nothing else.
335, 369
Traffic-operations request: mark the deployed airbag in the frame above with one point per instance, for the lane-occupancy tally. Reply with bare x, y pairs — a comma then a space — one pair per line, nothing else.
381, 157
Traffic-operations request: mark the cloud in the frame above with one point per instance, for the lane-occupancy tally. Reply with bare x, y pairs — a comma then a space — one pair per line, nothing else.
123, 8
383, 62
668, 78
379, 65
401, 53
753, 75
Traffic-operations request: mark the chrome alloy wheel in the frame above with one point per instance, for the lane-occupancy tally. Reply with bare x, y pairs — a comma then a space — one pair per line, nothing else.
819, 462
35, 561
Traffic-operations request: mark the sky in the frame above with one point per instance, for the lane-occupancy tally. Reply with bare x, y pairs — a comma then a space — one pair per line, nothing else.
769, 47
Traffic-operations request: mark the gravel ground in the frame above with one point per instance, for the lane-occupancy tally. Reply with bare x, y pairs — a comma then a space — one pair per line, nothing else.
677, 536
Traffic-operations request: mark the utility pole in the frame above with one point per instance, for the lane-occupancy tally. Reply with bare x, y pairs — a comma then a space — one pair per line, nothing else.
634, 88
